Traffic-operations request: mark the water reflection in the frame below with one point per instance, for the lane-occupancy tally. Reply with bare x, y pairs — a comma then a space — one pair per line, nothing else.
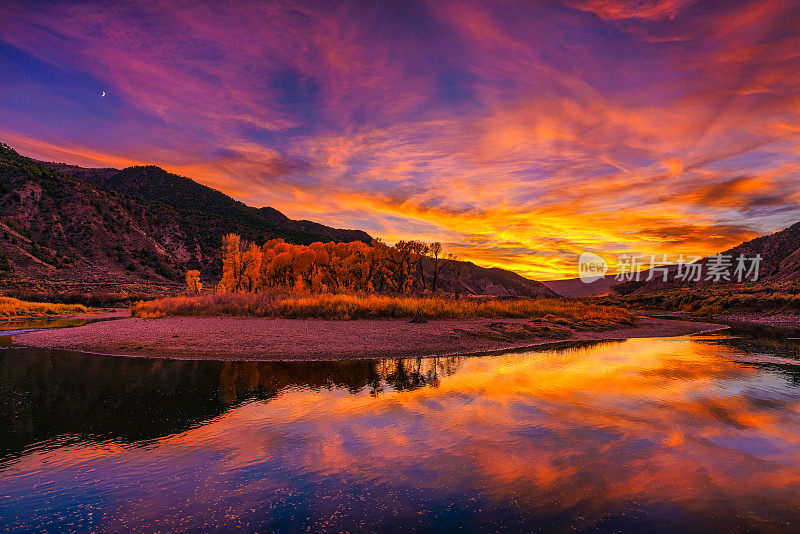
644, 435
13, 326
46, 394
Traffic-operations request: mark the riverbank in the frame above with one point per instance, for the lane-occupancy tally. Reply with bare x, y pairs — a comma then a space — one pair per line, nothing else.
234, 338
17, 325
92, 314
755, 319
785, 321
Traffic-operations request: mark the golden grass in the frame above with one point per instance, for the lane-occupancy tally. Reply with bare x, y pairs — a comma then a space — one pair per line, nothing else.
346, 307
714, 299
11, 307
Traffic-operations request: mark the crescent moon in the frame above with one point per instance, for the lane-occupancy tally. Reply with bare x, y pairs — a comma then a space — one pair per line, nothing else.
103, 94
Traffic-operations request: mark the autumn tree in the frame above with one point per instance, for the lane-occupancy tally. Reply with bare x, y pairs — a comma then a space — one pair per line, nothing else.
325, 267
399, 262
303, 264
231, 263
416, 260
378, 265
250, 278
193, 284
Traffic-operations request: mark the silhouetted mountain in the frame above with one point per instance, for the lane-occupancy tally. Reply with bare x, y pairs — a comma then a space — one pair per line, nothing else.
780, 253
154, 183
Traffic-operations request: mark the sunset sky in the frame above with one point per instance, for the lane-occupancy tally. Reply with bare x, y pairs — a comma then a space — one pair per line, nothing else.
519, 134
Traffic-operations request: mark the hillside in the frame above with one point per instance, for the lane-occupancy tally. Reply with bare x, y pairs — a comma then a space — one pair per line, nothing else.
780, 253
184, 194
64, 227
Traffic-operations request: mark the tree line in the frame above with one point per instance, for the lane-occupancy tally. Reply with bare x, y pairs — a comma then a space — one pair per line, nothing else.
407, 266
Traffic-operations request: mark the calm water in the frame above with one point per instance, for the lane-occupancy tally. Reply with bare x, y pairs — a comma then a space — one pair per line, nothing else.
682, 434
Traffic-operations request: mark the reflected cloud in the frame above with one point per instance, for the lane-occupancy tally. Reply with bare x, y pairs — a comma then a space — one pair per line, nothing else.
600, 432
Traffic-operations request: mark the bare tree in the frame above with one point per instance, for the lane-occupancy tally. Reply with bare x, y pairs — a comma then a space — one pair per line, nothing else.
416, 261
399, 262
438, 261
457, 268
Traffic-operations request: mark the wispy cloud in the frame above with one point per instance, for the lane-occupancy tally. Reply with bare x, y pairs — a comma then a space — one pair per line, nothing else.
517, 134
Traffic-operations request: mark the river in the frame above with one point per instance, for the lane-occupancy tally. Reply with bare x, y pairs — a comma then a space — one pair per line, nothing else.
698, 433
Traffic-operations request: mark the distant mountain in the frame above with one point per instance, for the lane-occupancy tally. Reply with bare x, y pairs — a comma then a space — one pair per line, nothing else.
466, 278
780, 253
69, 227
575, 287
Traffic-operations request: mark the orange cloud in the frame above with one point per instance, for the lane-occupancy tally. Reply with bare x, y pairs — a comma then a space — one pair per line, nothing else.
518, 134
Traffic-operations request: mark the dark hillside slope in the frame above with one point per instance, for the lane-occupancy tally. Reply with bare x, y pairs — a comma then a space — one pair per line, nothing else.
156, 184
780, 261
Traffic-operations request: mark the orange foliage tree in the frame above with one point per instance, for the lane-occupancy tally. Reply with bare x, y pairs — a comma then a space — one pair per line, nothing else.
193, 284
328, 267
231, 264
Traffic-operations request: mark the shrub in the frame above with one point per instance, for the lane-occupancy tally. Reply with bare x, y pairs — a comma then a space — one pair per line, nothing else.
11, 307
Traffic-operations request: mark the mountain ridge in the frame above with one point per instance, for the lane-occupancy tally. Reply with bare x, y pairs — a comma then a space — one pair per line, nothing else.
780, 260
154, 183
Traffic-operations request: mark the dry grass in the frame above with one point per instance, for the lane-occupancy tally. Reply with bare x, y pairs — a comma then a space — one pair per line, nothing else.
778, 298
558, 311
100, 298
11, 307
